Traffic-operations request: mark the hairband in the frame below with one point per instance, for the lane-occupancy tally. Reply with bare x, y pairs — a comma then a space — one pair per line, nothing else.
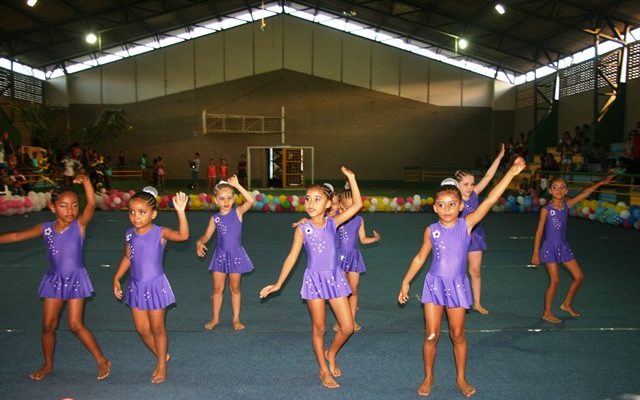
449, 181
330, 187
151, 190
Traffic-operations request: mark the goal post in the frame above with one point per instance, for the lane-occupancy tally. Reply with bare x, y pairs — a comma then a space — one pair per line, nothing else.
287, 167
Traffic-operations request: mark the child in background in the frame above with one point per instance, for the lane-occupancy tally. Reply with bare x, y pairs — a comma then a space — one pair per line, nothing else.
446, 286
242, 170
351, 261
67, 280
148, 291
161, 172
323, 280
229, 257
223, 169
470, 192
212, 174
551, 246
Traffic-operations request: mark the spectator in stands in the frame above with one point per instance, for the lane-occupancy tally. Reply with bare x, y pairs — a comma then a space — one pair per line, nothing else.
25, 159
18, 184
121, 160
549, 162
143, 166
195, 169
70, 166
3, 163
7, 144
633, 145
107, 171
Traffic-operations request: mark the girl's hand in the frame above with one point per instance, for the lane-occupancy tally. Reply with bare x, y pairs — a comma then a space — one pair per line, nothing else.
233, 181
607, 180
180, 201
535, 259
300, 222
403, 296
348, 173
80, 179
267, 290
117, 290
518, 165
376, 236
201, 249
501, 152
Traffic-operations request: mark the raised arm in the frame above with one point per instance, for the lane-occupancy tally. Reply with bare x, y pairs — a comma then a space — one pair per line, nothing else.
182, 234
356, 205
588, 190
123, 267
417, 263
364, 239
18, 236
486, 179
201, 248
483, 209
287, 266
535, 258
246, 206
90, 207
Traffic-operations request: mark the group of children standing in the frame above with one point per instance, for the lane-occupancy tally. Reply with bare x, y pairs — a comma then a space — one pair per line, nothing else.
334, 263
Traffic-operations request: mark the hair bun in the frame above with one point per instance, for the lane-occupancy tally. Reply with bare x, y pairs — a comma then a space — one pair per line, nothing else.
449, 181
151, 190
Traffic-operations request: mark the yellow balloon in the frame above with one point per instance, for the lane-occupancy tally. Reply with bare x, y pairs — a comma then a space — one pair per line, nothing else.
429, 201
367, 204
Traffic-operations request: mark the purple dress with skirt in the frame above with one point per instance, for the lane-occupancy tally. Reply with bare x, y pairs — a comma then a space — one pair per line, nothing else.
554, 248
348, 250
148, 287
446, 283
322, 278
67, 278
229, 256
478, 241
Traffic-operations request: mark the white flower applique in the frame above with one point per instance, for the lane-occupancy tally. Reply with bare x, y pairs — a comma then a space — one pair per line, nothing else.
436, 234
128, 237
216, 220
48, 231
308, 230
552, 212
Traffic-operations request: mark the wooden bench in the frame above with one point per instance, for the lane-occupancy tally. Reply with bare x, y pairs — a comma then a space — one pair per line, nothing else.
119, 173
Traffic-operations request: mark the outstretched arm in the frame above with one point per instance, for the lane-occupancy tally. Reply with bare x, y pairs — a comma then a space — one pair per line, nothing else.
364, 239
201, 248
483, 209
417, 263
182, 234
287, 266
356, 205
486, 179
587, 191
123, 267
246, 206
535, 259
18, 236
90, 207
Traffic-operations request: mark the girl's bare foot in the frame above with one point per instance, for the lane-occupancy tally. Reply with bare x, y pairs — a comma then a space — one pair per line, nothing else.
551, 318
466, 389
425, 387
328, 381
104, 369
41, 373
568, 308
159, 375
238, 326
356, 327
479, 309
211, 324
333, 366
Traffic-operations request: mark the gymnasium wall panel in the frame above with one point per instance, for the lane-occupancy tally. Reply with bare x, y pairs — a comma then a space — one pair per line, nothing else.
298, 38
523, 120
575, 110
86, 87
238, 52
504, 96
385, 69
477, 90
327, 53
179, 60
268, 45
150, 75
119, 82
414, 77
444, 84
55, 91
209, 60
632, 115
356, 61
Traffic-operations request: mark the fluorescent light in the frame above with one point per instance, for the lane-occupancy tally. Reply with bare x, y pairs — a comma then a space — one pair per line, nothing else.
31, 3
500, 9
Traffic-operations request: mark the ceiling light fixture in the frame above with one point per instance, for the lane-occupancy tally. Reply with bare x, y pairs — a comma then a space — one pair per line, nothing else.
91, 38
463, 43
31, 3
500, 9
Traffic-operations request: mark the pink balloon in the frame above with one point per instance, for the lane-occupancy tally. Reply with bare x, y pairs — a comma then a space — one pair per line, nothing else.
202, 196
27, 202
266, 208
400, 201
258, 197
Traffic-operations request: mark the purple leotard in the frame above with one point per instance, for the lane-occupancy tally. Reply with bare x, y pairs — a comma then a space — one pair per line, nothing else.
322, 278
229, 256
554, 248
446, 282
348, 238
148, 287
67, 278
478, 241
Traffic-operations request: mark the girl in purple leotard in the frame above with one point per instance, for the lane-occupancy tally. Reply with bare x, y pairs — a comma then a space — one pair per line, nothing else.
229, 257
323, 280
148, 290
470, 191
67, 280
550, 245
446, 285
